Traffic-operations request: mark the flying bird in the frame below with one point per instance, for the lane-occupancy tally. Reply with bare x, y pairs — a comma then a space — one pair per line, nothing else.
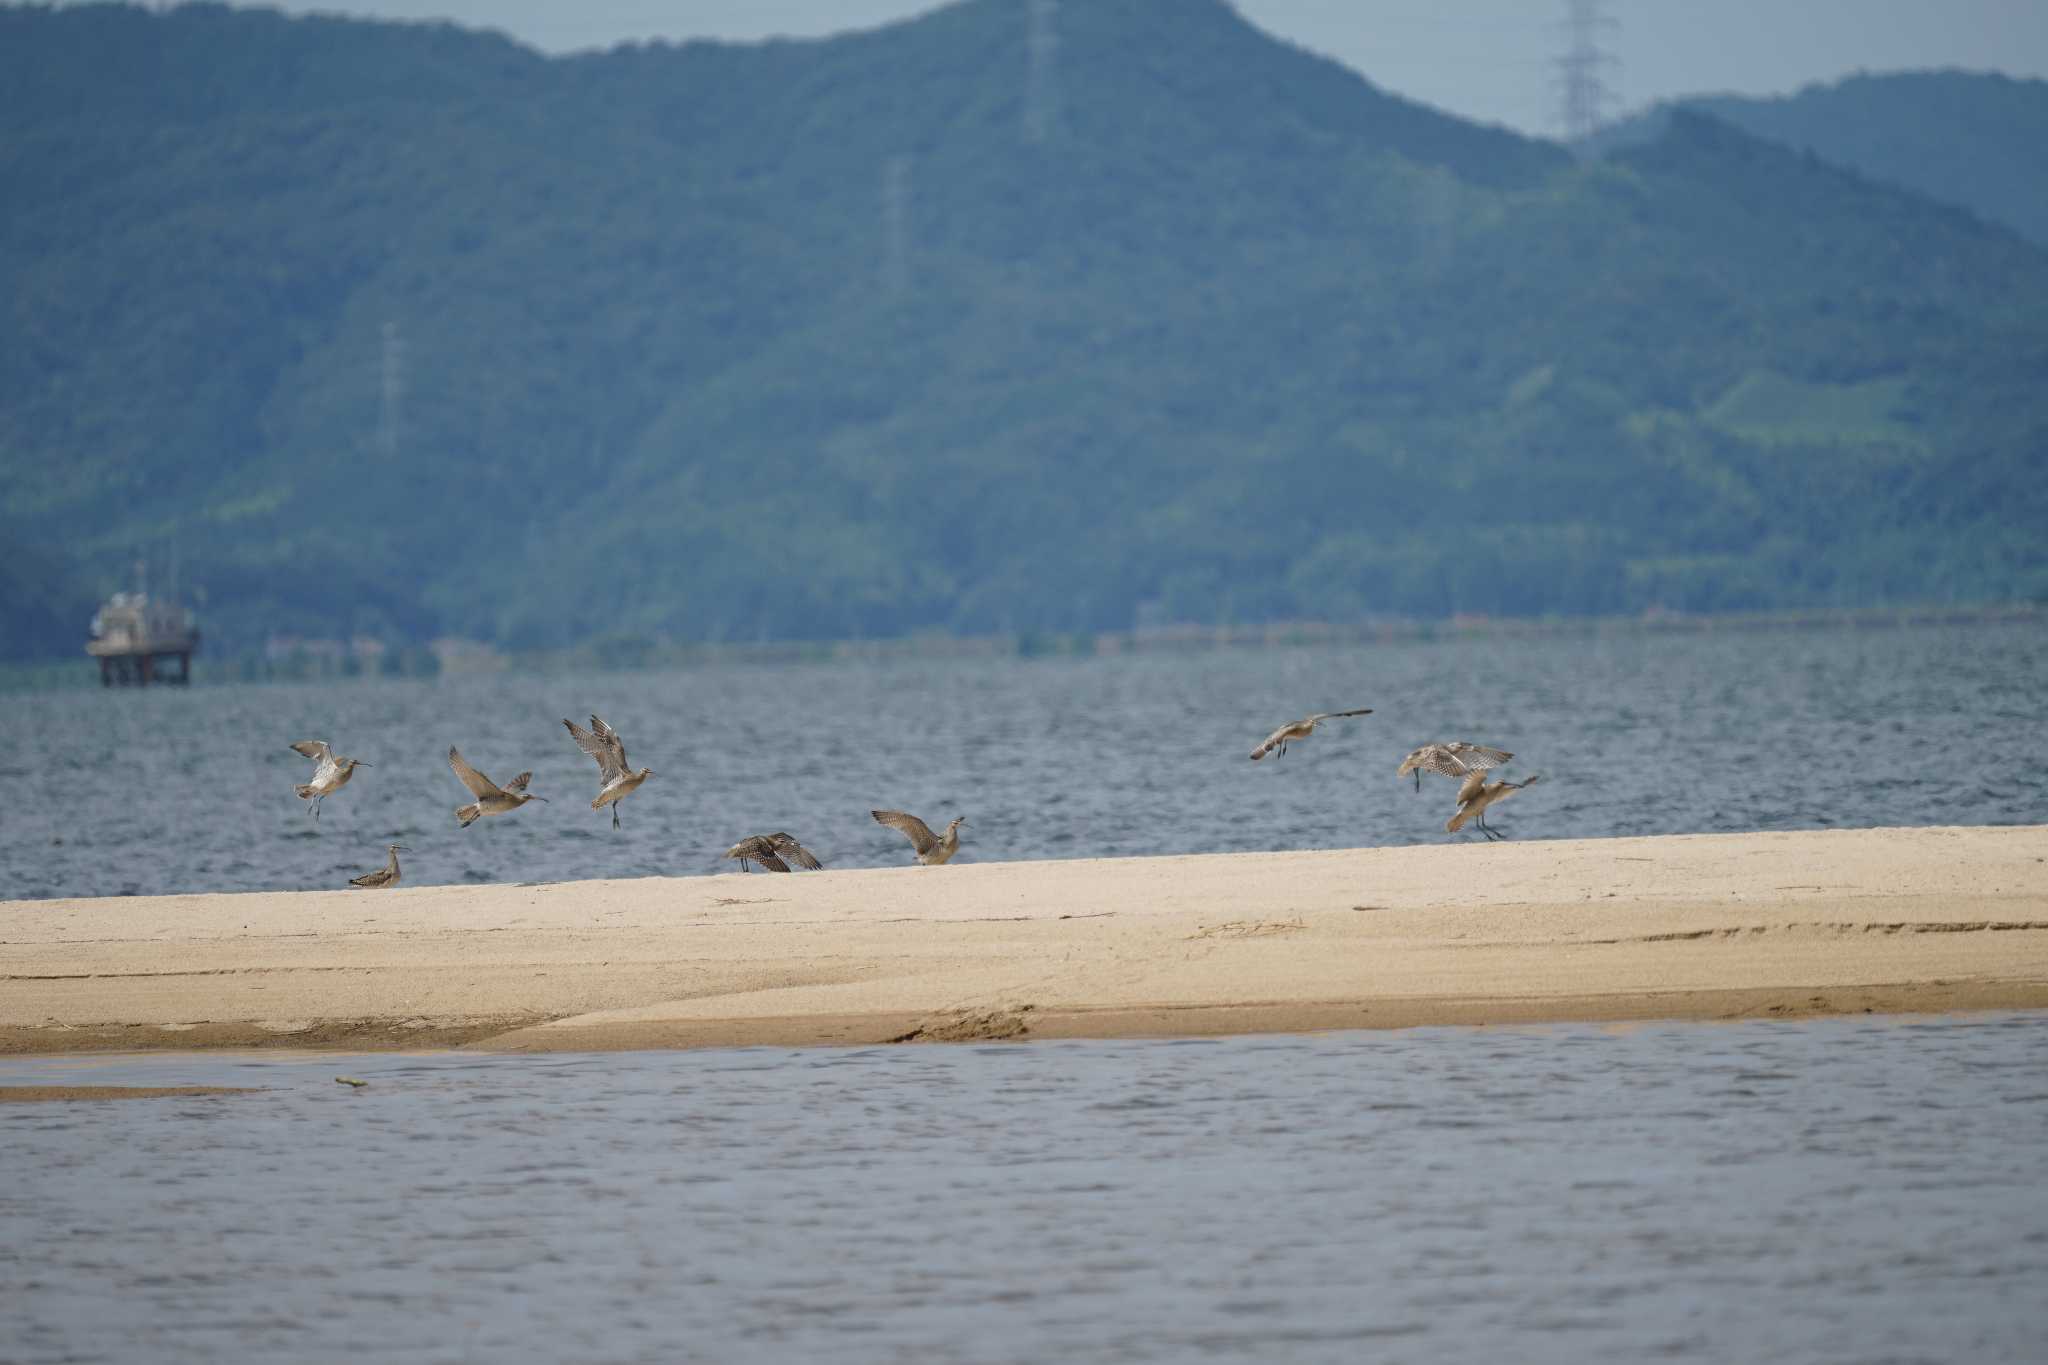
384, 876
931, 849
330, 774
770, 851
1476, 795
615, 780
491, 799
1455, 759
1300, 729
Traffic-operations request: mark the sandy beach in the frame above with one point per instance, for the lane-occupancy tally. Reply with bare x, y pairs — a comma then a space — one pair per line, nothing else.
1701, 927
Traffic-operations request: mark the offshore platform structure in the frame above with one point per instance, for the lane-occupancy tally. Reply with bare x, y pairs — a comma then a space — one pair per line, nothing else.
136, 637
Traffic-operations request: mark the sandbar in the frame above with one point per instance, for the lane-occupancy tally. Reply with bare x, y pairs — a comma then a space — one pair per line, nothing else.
1724, 926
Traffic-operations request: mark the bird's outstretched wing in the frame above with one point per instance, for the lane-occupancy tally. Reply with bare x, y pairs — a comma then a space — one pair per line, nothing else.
479, 785
1301, 729
1455, 759
315, 749
611, 739
787, 845
771, 862
518, 784
917, 831
603, 746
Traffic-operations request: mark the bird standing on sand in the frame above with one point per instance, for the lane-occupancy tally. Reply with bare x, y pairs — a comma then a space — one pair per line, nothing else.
330, 774
616, 781
384, 876
491, 799
1455, 759
931, 849
1300, 729
1476, 795
770, 850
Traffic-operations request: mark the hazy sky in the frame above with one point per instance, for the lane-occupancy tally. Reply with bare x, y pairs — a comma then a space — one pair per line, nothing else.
1484, 59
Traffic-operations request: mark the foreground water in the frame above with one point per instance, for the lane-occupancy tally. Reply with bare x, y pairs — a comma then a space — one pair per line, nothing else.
1837, 1190
139, 793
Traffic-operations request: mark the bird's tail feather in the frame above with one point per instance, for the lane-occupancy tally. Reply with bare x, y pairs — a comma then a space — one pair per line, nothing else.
306, 792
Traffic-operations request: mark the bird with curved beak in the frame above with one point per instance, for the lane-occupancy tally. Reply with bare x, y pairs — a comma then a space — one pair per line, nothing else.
491, 799
330, 774
615, 781
385, 876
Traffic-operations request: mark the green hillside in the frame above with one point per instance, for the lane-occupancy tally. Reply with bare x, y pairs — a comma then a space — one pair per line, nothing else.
816, 340
1972, 138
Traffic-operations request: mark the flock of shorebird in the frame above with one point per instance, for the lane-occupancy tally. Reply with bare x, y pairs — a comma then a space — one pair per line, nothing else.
1468, 763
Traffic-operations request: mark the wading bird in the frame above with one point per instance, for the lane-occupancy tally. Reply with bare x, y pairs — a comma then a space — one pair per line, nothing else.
1455, 759
384, 876
770, 850
491, 799
1300, 729
931, 849
330, 774
1476, 795
615, 780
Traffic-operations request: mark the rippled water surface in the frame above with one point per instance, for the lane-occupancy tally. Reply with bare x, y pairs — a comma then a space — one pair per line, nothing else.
132, 792
1839, 1190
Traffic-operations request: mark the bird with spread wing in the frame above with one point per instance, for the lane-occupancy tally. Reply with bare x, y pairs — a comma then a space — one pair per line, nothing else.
930, 848
1476, 795
774, 852
615, 780
1300, 729
1455, 759
491, 799
330, 774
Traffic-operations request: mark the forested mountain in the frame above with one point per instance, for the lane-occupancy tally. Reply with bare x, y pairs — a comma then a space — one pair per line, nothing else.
406, 330
1973, 138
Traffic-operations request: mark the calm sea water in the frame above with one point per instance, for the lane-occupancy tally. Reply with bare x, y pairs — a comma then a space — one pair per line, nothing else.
1839, 1190
110, 793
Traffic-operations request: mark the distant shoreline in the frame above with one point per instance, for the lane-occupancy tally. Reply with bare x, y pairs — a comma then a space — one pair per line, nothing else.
1766, 925
472, 657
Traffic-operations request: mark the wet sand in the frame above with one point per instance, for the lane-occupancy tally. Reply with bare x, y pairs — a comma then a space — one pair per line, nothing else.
1685, 927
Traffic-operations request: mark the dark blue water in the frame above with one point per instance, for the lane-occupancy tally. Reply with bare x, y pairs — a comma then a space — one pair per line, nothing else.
1838, 1190
139, 793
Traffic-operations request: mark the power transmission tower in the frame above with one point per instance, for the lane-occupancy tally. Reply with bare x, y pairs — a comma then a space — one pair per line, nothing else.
391, 376
896, 226
1042, 76
1581, 71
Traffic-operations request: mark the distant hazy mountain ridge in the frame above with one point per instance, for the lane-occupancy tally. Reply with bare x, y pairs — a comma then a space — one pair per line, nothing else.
404, 330
1975, 139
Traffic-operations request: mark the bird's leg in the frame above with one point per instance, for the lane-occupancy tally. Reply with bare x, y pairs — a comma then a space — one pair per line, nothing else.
615, 815
1418, 779
316, 807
